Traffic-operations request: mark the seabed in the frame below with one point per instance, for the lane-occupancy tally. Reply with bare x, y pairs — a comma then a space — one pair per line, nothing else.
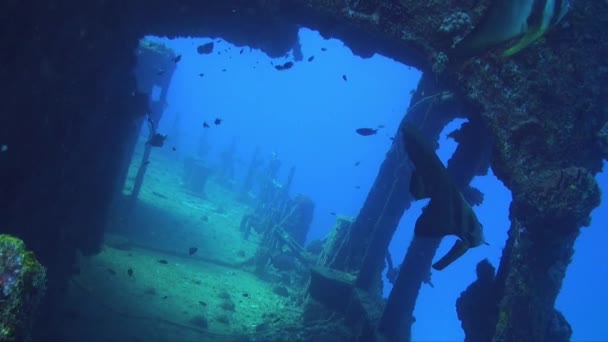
211, 294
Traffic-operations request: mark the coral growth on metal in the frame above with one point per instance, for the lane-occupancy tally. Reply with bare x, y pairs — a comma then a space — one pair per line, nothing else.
22, 285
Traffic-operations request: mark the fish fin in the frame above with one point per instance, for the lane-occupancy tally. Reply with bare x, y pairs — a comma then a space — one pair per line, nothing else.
418, 189
526, 40
498, 25
459, 248
432, 222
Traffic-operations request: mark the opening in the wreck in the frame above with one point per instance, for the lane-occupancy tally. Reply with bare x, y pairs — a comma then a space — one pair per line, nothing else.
229, 117
444, 287
231, 125
232, 105
231, 114
230, 110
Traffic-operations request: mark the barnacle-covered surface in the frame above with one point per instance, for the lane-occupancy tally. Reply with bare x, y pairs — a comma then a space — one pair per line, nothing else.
543, 109
22, 286
71, 87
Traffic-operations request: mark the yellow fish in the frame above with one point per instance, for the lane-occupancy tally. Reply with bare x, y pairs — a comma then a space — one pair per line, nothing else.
527, 20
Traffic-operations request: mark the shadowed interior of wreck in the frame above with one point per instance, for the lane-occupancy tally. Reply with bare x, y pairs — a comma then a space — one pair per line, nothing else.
71, 106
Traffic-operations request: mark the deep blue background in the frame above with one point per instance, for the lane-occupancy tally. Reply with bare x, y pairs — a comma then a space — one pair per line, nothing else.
308, 115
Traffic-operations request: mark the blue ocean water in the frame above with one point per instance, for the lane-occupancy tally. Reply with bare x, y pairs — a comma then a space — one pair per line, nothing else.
308, 114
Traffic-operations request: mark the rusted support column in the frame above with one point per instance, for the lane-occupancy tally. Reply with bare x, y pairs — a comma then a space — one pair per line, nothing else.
154, 69
195, 176
287, 186
470, 158
381, 214
546, 148
302, 210
539, 249
389, 197
252, 172
226, 170
398, 316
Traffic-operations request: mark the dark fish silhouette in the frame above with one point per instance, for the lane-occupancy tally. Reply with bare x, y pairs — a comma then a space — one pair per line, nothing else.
205, 49
205, 125
177, 58
366, 131
310, 59
201, 74
357, 163
163, 261
192, 250
284, 66
344, 78
130, 272
447, 213
217, 121
241, 52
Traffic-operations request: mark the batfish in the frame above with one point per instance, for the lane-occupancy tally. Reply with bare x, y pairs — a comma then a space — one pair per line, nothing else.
505, 20
447, 213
